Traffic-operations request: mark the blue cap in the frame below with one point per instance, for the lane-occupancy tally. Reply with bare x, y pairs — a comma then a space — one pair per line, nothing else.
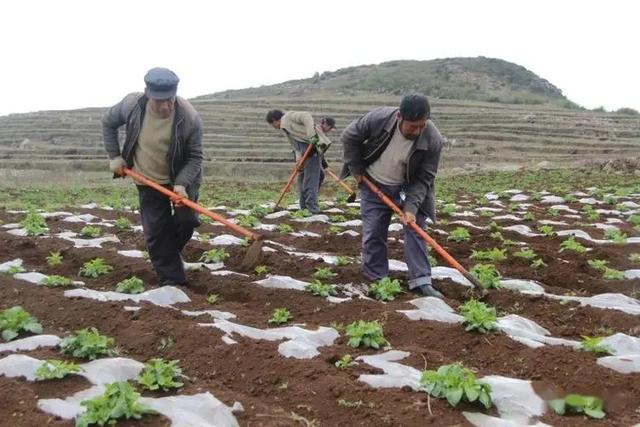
161, 83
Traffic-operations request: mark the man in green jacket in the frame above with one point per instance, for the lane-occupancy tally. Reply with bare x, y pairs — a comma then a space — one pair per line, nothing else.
300, 130
163, 142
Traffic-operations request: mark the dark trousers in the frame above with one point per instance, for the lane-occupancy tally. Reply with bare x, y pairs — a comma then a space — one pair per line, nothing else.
309, 179
166, 231
376, 217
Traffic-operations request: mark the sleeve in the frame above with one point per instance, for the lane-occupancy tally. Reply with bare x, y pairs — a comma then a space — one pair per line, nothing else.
193, 155
352, 139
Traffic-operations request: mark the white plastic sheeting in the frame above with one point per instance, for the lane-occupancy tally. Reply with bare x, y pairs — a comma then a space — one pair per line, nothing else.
313, 218
226, 240
514, 399
282, 282
300, 343
133, 253
612, 301
87, 243
430, 308
163, 296
276, 215
5, 266
626, 353
31, 343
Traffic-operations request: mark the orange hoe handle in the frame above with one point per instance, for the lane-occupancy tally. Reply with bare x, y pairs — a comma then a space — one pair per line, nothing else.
176, 198
342, 183
295, 173
444, 254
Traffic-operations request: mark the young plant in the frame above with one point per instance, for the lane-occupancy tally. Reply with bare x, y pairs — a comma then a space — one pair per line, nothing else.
529, 216
334, 229
301, 213
634, 219
95, 268
546, 230
318, 288
132, 285
54, 259
448, 209
487, 214
456, 383
91, 231
123, 223
615, 235
513, 207
261, 270
214, 255
345, 260
493, 255
385, 289
87, 343
578, 404
478, 316
598, 264
571, 244
16, 319
247, 221
346, 362
593, 344
159, 374
338, 218
612, 274
460, 234
34, 224
553, 212
259, 211
280, 316
56, 369
570, 198
54, 281
538, 263
527, 254
15, 269
118, 401
323, 273
487, 275
634, 257
285, 228
365, 334
213, 298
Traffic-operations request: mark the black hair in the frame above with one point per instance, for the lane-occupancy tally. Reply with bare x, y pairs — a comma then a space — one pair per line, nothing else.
274, 115
329, 121
415, 106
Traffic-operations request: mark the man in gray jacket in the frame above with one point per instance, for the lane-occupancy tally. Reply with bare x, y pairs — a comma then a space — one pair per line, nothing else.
163, 142
399, 150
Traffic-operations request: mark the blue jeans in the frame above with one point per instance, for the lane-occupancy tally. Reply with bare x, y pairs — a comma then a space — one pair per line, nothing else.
376, 217
309, 179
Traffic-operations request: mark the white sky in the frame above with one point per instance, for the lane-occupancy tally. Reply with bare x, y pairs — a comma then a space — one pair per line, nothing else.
62, 54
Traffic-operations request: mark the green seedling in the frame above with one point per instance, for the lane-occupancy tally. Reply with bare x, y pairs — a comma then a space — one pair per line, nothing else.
385, 289
478, 316
571, 244
365, 334
529, 216
594, 345
259, 211
487, 214
553, 212
34, 224
214, 255
213, 298
346, 362
578, 404
538, 263
247, 221
285, 228
460, 234
301, 213
91, 231
449, 208
16, 319
95, 268
334, 229
15, 269
87, 343
54, 281
119, 401
56, 369
323, 273
547, 230
487, 275
634, 257
493, 255
337, 218
615, 235
612, 274
132, 285
261, 270
54, 259
318, 288
123, 223
159, 374
455, 383
280, 316
345, 260
634, 219
598, 264
527, 254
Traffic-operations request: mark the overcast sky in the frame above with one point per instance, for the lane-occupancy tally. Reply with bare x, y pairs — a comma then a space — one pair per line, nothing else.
60, 54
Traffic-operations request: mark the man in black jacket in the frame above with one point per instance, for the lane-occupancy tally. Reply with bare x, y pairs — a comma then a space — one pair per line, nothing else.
399, 150
164, 143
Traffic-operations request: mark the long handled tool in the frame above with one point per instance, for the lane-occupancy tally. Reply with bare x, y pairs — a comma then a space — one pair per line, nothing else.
255, 250
298, 168
352, 194
452, 262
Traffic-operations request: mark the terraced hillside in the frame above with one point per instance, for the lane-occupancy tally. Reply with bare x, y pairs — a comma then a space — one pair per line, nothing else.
240, 145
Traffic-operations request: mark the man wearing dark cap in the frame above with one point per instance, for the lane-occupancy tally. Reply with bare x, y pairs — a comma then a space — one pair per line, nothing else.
164, 143
300, 130
399, 150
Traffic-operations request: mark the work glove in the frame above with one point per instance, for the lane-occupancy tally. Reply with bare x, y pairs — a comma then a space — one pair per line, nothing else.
314, 139
116, 164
